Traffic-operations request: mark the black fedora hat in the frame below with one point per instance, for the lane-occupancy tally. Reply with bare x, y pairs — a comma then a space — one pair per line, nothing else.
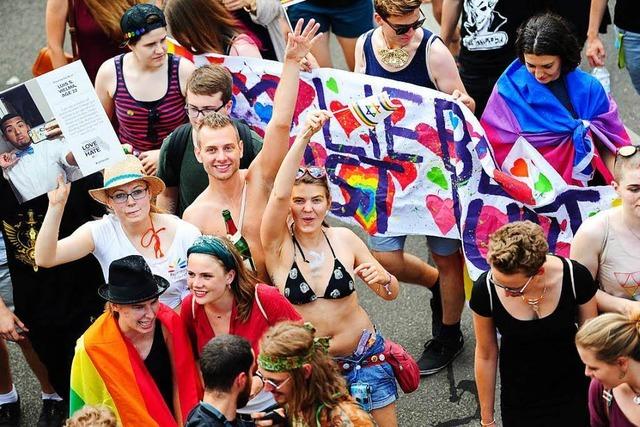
131, 281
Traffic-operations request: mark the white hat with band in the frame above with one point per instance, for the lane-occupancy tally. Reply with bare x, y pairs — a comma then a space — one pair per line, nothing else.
128, 170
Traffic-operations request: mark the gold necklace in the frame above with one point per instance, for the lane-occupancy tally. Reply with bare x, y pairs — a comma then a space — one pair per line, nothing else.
534, 303
396, 58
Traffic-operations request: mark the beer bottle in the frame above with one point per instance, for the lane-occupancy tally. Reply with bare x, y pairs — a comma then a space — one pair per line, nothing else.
236, 238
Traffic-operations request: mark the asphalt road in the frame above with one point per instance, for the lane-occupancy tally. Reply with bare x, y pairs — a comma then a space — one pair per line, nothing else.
446, 399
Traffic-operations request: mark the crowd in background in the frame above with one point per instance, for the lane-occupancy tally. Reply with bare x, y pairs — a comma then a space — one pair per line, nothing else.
229, 299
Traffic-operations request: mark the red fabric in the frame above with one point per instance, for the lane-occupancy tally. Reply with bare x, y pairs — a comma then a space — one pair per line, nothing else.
275, 305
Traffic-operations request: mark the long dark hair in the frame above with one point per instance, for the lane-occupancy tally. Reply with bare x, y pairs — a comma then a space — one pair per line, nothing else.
549, 34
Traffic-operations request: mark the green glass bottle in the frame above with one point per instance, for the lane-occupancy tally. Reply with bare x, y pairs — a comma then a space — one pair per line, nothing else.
238, 241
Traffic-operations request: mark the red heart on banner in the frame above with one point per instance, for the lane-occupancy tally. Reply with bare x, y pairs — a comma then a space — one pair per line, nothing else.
408, 174
344, 116
398, 115
516, 189
520, 168
442, 212
489, 220
428, 137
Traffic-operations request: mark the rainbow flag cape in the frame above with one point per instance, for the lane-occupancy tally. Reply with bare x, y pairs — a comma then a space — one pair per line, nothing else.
521, 108
108, 371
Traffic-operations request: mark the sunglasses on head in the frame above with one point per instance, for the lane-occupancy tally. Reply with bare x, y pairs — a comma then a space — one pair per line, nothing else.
626, 151
401, 29
316, 172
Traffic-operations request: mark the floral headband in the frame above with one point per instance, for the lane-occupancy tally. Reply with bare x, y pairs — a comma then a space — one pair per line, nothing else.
284, 364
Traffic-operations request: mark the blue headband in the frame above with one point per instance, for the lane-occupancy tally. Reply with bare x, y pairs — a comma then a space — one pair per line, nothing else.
214, 246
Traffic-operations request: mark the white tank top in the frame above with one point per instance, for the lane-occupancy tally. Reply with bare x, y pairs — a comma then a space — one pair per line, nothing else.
619, 261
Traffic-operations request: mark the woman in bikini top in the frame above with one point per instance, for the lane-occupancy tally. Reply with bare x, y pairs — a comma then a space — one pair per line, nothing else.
299, 259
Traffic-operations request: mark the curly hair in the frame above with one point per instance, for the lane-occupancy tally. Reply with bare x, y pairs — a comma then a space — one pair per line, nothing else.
549, 34
611, 335
93, 416
325, 386
387, 8
518, 247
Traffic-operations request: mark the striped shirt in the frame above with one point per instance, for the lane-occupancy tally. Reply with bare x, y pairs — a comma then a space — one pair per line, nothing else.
144, 124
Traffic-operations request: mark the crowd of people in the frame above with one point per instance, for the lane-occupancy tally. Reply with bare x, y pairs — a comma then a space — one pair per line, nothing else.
198, 283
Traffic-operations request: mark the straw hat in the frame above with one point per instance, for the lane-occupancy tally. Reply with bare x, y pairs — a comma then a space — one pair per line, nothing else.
124, 172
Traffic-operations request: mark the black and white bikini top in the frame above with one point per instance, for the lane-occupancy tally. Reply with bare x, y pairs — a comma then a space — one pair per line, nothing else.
298, 291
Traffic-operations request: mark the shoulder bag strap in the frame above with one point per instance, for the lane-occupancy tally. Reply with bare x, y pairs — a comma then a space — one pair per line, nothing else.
489, 291
71, 20
264, 313
573, 283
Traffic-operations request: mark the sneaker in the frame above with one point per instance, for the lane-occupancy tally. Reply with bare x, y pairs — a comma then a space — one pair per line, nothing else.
436, 314
438, 354
53, 413
10, 414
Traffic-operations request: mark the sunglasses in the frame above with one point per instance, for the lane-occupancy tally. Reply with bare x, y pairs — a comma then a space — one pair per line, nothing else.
316, 172
273, 384
401, 29
513, 291
194, 111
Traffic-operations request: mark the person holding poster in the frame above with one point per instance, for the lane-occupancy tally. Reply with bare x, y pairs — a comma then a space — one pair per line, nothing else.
32, 168
400, 49
134, 227
314, 267
145, 88
244, 192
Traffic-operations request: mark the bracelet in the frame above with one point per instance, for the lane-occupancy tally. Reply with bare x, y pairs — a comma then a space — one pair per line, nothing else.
492, 422
387, 285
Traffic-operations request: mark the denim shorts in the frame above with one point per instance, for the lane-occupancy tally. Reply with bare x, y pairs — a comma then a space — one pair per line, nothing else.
438, 245
377, 379
348, 21
631, 46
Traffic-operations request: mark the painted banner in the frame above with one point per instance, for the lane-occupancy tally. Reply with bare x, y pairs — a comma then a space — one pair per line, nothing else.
427, 169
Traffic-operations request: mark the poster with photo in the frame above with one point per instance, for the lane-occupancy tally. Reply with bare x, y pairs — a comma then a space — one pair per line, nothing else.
54, 125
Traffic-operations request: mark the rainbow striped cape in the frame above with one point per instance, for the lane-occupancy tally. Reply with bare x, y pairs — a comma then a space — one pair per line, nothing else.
108, 371
521, 109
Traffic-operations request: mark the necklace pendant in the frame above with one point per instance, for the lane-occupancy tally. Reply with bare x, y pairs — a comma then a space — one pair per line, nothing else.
636, 399
396, 58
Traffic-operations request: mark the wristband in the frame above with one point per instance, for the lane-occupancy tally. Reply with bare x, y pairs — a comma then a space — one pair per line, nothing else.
387, 285
492, 422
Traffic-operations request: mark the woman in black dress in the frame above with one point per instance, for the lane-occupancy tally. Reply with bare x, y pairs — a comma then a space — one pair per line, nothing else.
534, 300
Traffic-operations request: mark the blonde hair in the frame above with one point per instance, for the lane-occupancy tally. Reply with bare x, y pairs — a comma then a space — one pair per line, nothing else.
107, 15
612, 335
518, 247
387, 8
92, 416
216, 120
325, 385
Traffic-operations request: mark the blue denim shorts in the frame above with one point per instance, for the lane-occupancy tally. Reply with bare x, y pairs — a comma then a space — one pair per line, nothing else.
349, 21
377, 379
438, 245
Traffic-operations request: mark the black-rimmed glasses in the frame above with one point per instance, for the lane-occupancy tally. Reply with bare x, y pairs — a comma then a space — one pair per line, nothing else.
122, 196
194, 112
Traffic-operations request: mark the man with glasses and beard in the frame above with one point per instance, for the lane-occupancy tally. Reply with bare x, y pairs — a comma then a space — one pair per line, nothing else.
226, 363
401, 49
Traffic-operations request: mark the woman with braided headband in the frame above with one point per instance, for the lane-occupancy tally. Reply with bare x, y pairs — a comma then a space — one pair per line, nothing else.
302, 377
609, 346
227, 299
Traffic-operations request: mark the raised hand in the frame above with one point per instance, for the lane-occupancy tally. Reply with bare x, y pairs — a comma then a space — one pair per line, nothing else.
7, 160
300, 42
313, 123
59, 196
